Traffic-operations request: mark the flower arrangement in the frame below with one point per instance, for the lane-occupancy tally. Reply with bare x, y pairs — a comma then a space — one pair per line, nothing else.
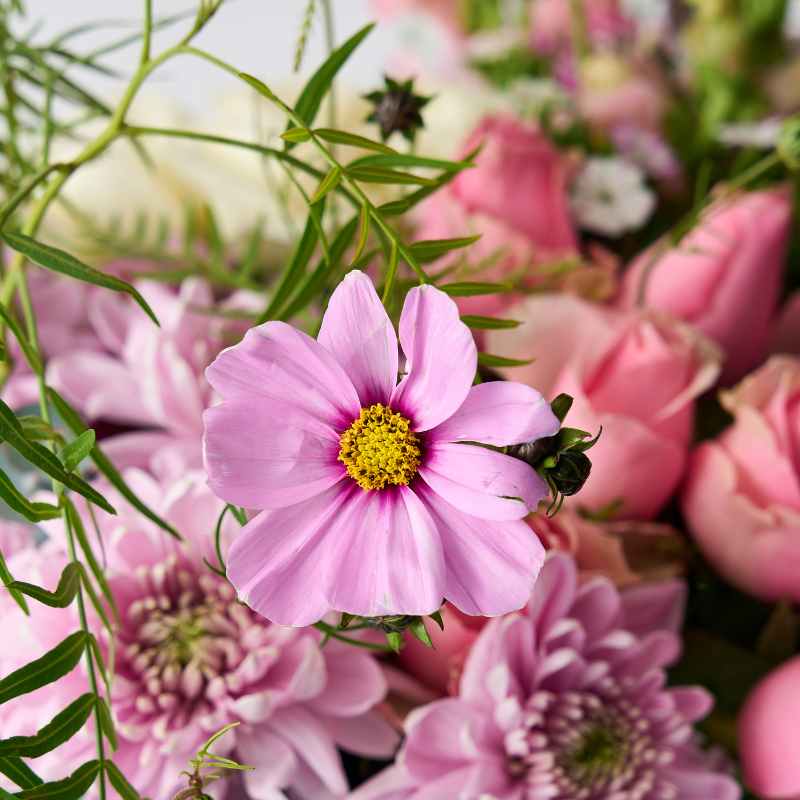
459, 459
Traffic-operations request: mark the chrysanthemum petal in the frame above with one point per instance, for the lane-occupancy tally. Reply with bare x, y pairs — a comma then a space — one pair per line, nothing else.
274, 761
277, 361
268, 454
482, 482
441, 358
387, 555
279, 561
491, 566
369, 734
353, 683
359, 333
499, 413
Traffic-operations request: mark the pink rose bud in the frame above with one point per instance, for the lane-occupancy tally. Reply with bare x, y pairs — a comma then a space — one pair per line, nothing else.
724, 277
769, 734
634, 374
742, 496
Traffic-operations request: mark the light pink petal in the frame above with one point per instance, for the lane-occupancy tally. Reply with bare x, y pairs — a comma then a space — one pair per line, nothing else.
359, 333
354, 682
445, 736
268, 454
697, 784
367, 735
394, 783
692, 702
274, 760
386, 556
597, 607
491, 566
554, 592
278, 362
307, 735
654, 606
482, 482
280, 560
100, 386
499, 413
441, 358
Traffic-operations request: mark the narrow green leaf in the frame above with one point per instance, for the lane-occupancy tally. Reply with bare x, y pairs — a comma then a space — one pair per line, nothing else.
19, 772
294, 270
469, 289
59, 730
407, 160
75, 451
37, 429
388, 176
8, 579
45, 460
295, 135
489, 323
487, 360
261, 88
431, 249
120, 782
94, 646
65, 592
60, 261
31, 356
311, 97
73, 421
33, 511
72, 788
327, 184
417, 627
363, 234
49, 668
106, 722
351, 140
76, 523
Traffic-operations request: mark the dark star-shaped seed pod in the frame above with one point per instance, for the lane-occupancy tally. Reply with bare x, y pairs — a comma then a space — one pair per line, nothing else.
397, 108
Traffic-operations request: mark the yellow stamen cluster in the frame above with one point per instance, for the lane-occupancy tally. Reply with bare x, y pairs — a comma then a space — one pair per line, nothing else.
379, 448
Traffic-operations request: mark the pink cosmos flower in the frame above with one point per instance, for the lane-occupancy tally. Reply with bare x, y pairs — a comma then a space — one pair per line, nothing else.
566, 702
635, 374
144, 376
373, 501
190, 659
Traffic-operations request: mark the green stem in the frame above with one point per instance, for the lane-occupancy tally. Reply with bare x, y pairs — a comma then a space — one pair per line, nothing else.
333, 633
147, 32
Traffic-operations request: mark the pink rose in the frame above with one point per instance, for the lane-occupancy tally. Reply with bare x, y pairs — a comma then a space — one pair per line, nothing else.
625, 551
742, 496
517, 162
724, 277
635, 374
769, 734
786, 337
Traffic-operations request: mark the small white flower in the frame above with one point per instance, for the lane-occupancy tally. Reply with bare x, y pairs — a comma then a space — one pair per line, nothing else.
531, 97
762, 134
610, 196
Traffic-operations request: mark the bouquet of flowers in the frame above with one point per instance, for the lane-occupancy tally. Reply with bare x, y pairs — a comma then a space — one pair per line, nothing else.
436, 443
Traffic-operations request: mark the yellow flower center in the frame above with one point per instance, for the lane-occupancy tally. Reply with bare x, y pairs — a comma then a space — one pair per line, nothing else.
379, 448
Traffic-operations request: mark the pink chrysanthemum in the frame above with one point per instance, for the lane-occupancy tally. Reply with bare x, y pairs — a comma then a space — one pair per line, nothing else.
189, 658
567, 702
373, 504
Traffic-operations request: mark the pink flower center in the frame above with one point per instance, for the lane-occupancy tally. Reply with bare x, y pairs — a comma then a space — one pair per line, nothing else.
380, 449
588, 746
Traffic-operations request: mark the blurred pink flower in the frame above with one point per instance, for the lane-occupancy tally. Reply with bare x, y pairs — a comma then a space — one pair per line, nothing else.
190, 659
60, 307
769, 738
551, 24
516, 161
634, 374
568, 701
786, 335
724, 277
742, 494
626, 552
15, 536
373, 503
145, 376
445, 11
